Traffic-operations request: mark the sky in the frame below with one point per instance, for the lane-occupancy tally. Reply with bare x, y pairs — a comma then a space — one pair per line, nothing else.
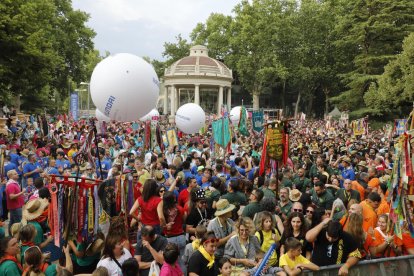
141, 27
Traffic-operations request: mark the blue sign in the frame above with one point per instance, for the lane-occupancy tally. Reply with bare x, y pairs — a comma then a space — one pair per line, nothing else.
74, 100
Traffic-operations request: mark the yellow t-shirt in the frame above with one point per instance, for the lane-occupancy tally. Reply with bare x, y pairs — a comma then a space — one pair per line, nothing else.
285, 260
267, 242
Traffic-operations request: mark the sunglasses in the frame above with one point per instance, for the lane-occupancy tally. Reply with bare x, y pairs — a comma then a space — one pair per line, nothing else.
298, 210
309, 211
161, 191
203, 202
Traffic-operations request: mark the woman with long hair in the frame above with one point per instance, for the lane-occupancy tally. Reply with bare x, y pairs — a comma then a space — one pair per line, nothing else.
365, 241
114, 255
172, 217
295, 226
37, 265
147, 204
387, 244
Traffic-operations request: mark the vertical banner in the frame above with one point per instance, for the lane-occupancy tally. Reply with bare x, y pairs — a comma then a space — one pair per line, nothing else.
257, 120
74, 100
400, 126
275, 142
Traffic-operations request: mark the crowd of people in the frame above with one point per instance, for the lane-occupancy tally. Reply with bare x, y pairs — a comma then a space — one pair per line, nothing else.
199, 209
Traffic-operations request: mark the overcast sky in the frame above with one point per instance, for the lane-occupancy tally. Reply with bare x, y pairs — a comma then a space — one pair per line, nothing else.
141, 27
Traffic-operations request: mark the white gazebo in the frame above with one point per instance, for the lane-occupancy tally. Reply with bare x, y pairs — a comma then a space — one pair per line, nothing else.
198, 79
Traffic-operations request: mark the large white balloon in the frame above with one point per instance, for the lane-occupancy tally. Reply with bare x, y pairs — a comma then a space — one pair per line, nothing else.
150, 115
124, 87
235, 115
101, 117
190, 118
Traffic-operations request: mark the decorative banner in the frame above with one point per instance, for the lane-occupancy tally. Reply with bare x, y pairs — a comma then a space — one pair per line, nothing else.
221, 131
275, 142
243, 122
74, 99
358, 126
172, 137
400, 126
257, 120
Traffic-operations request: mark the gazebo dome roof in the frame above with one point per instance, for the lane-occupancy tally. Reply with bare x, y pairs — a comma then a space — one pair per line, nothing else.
198, 63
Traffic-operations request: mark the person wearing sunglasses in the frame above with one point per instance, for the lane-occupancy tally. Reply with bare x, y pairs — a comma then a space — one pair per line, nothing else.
309, 214
202, 262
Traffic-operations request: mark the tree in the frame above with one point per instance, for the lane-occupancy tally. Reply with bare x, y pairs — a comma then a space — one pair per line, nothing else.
395, 89
371, 34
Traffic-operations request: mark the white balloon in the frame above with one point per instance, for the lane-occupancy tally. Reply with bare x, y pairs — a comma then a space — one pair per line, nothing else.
124, 87
189, 118
235, 115
101, 117
150, 115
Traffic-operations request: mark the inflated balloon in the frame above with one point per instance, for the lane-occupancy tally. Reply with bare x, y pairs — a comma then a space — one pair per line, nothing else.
150, 116
189, 118
101, 117
124, 87
235, 115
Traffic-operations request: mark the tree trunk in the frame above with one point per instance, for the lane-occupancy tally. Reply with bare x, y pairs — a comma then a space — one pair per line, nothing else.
297, 106
256, 105
284, 96
326, 92
310, 104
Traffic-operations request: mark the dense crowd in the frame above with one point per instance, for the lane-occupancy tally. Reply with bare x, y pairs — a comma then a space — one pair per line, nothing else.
199, 209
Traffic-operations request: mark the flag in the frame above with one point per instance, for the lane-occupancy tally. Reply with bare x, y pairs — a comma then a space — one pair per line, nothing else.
257, 120
221, 131
243, 122
172, 137
401, 126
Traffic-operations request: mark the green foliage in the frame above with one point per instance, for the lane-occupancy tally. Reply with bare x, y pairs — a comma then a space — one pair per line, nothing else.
43, 44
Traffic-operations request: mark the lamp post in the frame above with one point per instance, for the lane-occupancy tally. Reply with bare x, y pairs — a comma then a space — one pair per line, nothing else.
87, 83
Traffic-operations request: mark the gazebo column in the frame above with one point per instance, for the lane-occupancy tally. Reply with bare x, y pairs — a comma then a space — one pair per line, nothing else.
229, 98
197, 94
173, 106
220, 99
165, 111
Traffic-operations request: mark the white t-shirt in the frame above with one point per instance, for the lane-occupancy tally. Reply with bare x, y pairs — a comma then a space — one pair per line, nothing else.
113, 268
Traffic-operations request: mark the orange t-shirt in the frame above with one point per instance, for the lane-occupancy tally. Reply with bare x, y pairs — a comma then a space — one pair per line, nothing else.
374, 183
407, 242
383, 208
344, 221
359, 188
379, 239
369, 215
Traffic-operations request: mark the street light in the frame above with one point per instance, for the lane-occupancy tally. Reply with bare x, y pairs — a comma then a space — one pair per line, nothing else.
80, 100
87, 83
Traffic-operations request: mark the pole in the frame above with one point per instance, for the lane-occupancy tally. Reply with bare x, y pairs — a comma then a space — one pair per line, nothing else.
88, 91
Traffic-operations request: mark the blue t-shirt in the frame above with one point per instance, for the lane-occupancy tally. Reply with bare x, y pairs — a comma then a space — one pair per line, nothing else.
29, 167
8, 167
65, 164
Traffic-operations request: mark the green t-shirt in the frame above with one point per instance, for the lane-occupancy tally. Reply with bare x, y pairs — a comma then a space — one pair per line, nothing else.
51, 270
286, 182
39, 238
85, 260
268, 193
8, 268
251, 209
237, 198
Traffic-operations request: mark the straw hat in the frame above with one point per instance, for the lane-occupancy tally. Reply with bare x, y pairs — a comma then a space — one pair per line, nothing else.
223, 206
362, 164
25, 152
159, 177
66, 145
347, 159
95, 247
34, 208
295, 195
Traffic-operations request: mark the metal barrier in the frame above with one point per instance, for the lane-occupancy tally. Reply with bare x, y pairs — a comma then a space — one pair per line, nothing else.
398, 266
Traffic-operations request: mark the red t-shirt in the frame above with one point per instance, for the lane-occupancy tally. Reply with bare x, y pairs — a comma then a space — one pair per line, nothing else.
149, 215
183, 197
174, 215
13, 188
137, 190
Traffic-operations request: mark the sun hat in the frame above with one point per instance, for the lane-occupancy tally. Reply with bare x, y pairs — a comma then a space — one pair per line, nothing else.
34, 208
362, 164
66, 145
159, 177
94, 247
200, 168
295, 195
347, 159
25, 152
223, 206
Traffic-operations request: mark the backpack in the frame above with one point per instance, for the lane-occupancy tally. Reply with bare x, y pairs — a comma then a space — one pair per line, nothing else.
261, 236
